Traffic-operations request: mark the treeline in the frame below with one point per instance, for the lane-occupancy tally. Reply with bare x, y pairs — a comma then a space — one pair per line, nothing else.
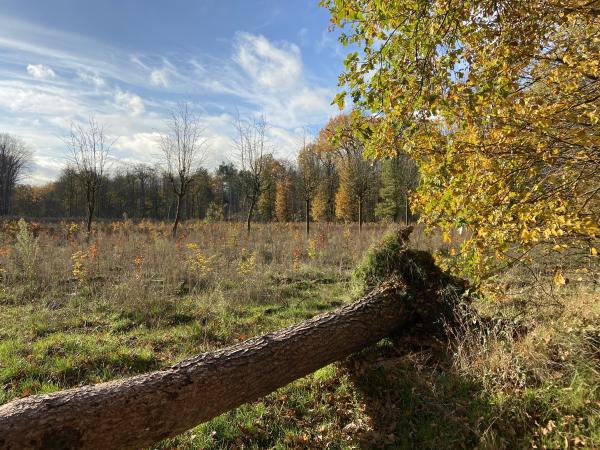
145, 192
330, 180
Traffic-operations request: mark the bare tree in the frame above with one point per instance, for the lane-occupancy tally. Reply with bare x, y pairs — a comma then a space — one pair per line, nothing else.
309, 168
90, 147
255, 158
184, 148
15, 158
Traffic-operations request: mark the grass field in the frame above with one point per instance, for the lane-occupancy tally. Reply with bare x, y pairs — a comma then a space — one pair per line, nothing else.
77, 310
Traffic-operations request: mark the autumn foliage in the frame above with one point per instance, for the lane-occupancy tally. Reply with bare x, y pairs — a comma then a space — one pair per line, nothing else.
498, 102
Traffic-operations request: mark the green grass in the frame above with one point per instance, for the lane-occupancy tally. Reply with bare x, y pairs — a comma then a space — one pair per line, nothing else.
73, 340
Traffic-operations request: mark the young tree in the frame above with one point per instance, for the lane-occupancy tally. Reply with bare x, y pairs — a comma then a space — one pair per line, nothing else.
309, 171
90, 148
345, 206
143, 174
14, 160
227, 189
202, 192
69, 195
183, 147
323, 205
283, 198
266, 200
255, 158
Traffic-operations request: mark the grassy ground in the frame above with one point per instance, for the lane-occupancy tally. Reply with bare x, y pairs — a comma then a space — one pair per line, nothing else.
75, 310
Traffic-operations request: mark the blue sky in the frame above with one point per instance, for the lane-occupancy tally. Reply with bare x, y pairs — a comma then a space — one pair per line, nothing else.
130, 62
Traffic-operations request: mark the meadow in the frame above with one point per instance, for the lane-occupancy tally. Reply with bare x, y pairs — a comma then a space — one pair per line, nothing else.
520, 371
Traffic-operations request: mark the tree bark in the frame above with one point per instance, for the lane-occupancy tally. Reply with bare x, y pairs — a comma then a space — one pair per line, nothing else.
143, 198
91, 203
135, 412
177, 216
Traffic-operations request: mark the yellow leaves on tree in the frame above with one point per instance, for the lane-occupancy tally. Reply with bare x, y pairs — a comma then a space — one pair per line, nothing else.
345, 204
498, 102
340, 139
283, 199
320, 208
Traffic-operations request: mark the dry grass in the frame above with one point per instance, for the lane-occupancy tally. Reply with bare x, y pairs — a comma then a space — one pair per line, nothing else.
133, 264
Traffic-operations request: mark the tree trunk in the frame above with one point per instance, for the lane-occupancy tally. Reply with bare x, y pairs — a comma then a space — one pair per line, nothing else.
250, 211
135, 412
177, 216
91, 203
5, 193
307, 217
143, 199
89, 218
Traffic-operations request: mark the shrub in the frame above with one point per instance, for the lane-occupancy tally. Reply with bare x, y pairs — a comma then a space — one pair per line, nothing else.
26, 250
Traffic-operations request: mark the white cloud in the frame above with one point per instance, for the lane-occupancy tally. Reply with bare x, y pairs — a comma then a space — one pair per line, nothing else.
308, 101
272, 67
45, 168
26, 98
273, 80
40, 71
131, 103
142, 146
286, 142
159, 78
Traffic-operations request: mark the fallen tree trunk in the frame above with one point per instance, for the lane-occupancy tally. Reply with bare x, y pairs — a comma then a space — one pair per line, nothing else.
141, 410
138, 411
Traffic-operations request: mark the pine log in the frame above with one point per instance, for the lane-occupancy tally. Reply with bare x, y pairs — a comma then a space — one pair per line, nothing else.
139, 411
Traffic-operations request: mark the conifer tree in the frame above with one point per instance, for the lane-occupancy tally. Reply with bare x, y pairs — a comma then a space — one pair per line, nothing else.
398, 179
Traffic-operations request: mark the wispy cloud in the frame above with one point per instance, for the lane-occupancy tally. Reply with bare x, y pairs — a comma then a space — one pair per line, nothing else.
92, 78
70, 76
272, 68
130, 103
